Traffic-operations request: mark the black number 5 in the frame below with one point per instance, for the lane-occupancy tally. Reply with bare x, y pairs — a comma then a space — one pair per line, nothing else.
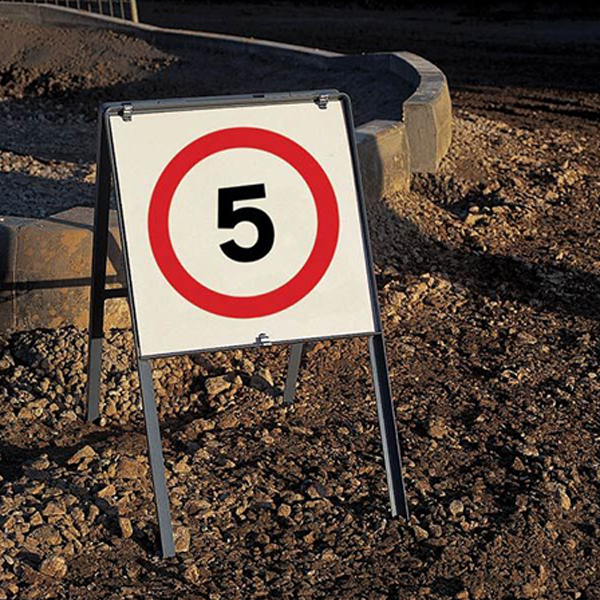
229, 217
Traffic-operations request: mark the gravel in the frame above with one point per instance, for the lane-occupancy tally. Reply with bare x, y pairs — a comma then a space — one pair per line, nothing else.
495, 370
489, 278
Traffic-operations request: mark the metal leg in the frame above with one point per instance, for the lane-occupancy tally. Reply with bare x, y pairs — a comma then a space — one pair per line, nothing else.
387, 426
161, 496
292, 374
96, 328
93, 385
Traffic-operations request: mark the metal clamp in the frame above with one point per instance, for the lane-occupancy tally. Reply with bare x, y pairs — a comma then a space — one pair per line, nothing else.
262, 339
127, 112
322, 101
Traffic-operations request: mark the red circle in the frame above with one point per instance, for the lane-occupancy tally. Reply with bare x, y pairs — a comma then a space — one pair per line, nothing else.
321, 255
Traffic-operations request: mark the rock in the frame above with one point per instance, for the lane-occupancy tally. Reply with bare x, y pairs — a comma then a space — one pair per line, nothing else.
126, 527
82, 453
563, 499
46, 534
216, 385
464, 595
266, 404
396, 298
205, 424
41, 463
530, 590
284, 511
69, 415
228, 421
423, 487
518, 464
54, 509
316, 490
420, 533
6, 361
247, 366
192, 574
201, 455
473, 219
111, 408
266, 375
437, 428
36, 519
456, 507
262, 380
529, 450
182, 467
193, 507
527, 338
93, 513
328, 555
181, 537
198, 426
54, 566
521, 502
436, 530
129, 468
417, 291
25, 414
5, 543
224, 462
107, 491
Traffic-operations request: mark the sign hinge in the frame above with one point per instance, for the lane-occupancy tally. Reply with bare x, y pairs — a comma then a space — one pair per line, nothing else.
322, 101
127, 112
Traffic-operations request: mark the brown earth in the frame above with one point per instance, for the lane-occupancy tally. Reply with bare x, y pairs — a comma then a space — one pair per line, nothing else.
489, 278
52, 81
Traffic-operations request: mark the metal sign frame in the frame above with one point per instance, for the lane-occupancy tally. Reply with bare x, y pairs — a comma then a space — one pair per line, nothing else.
107, 174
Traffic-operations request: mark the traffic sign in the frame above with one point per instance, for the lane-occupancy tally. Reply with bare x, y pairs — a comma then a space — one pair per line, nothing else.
241, 220
243, 224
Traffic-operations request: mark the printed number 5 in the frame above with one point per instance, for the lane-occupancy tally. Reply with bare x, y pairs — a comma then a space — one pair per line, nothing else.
229, 217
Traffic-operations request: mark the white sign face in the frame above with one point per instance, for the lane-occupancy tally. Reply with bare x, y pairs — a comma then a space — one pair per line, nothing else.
241, 222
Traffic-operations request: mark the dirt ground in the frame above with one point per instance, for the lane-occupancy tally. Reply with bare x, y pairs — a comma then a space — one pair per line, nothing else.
489, 280
52, 81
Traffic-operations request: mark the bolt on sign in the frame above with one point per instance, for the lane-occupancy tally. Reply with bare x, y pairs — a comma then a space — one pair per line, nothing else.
243, 225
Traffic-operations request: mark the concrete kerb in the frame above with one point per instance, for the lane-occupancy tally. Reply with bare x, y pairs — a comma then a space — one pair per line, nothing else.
45, 264
45, 269
427, 112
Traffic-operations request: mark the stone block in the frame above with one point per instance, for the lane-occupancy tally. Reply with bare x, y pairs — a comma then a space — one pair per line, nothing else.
384, 158
427, 113
45, 273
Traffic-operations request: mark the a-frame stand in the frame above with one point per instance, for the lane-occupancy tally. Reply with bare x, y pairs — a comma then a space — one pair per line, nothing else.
99, 294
